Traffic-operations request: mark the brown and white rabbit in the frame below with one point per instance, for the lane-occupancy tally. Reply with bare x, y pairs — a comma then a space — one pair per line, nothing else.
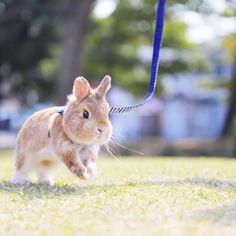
73, 137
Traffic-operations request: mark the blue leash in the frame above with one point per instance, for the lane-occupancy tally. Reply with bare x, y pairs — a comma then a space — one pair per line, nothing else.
155, 60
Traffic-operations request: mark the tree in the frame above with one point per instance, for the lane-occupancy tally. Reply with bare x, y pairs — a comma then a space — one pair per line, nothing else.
230, 44
75, 25
114, 45
27, 30
29, 44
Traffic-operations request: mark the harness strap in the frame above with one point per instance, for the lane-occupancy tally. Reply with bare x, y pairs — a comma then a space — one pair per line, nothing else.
60, 112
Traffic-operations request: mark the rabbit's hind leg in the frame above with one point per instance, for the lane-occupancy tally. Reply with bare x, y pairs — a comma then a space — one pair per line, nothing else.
44, 171
21, 172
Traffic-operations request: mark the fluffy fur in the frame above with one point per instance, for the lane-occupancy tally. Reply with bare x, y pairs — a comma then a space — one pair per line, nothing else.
74, 140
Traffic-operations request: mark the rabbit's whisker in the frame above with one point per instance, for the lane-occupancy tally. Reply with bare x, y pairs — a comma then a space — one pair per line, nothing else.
110, 151
120, 145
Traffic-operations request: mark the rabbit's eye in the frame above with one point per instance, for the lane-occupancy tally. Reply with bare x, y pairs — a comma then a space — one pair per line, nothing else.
85, 114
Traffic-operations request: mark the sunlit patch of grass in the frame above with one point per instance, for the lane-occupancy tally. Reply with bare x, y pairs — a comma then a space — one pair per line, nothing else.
133, 196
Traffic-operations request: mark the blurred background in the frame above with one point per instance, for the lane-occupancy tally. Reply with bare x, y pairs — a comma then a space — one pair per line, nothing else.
46, 44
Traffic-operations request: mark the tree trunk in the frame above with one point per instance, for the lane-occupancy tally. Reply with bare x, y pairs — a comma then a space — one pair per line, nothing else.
76, 20
232, 104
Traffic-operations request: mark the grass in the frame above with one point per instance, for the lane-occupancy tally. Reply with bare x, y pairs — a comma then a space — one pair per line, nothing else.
133, 196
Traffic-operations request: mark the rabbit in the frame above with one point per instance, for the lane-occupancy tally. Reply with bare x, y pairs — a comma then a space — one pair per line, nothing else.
71, 136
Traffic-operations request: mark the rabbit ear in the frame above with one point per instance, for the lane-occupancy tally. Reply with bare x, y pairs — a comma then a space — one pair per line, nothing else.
104, 86
81, 88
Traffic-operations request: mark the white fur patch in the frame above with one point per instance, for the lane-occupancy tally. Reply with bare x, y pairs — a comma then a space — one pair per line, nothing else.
33, 160
92, 169
20, 178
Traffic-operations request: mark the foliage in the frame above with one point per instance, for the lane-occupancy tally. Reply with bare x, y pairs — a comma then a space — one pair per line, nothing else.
28, 29
230, 46
132, 196
114, 43
30, 43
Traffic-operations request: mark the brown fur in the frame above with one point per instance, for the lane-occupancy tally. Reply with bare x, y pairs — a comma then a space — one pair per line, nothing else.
73, 138
46, 163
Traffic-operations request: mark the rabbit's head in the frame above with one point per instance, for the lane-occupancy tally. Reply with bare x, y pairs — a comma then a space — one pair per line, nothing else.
85, 119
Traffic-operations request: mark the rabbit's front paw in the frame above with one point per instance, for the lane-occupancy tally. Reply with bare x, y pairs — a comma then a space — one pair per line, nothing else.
91, 168
80, 171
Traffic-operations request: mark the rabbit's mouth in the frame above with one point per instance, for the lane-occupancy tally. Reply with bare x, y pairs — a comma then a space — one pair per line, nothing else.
103, 137
99, 139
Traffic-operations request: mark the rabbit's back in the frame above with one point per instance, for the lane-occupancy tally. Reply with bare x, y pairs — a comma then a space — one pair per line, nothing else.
33, 135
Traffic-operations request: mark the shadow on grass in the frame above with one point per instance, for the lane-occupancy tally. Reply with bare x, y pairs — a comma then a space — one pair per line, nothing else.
225, 214
46, 191
209, 183
212, 183
39, 190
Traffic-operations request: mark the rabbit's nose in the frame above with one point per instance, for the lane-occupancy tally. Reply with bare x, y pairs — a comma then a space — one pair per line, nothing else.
100, 130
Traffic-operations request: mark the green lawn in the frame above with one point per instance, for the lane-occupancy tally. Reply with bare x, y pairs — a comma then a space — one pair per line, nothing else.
132, 196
